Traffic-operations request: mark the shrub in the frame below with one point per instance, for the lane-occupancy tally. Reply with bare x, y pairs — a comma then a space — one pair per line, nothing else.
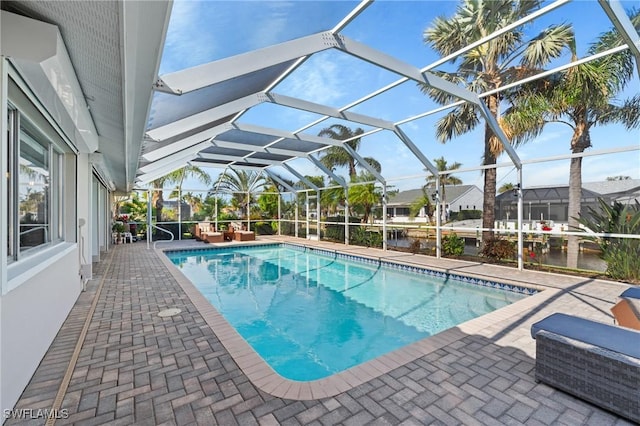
334, 230
414, 247
264, 228
621, 254
498, 248
361, 237
452, 245
466, 214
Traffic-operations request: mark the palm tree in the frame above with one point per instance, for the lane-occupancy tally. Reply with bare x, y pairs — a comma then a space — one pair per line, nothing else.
333, 197
506, 187
445, 179
241, 184
337, 156
581, 97
175, 178
504, 59
423, 201
365, 196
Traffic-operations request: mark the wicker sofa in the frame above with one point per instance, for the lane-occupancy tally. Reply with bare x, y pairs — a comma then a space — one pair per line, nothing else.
597, 362
204, 231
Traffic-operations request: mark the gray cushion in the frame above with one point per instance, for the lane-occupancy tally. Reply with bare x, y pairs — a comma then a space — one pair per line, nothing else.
631, 292
617, 339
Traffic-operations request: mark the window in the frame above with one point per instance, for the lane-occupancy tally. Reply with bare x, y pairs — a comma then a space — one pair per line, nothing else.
35, 187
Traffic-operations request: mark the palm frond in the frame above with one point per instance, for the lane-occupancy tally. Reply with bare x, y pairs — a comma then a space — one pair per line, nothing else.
457, 122
548, 44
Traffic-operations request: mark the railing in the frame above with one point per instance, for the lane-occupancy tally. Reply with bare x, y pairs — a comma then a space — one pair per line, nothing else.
161, 241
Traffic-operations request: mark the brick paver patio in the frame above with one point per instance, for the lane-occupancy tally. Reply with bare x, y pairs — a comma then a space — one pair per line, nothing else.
135, 367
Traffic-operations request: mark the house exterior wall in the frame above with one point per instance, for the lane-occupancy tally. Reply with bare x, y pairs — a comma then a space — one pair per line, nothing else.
38, 287
32, 314
470, 200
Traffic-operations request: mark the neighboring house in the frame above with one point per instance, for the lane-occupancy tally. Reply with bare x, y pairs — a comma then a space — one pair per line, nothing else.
458, 197
185, 208
551, 203
624, 191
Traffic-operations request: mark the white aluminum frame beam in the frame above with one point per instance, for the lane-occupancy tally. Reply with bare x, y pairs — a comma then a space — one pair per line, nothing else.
225, 69
280, 181
325, 110
185, 155
325, 169
299, 176
285, 134
623, 24
363, 163
182, 144
192, 150
416, 151
203, 118
255, 148
394, 65
161, 171
238, 160
385, 61
224, 166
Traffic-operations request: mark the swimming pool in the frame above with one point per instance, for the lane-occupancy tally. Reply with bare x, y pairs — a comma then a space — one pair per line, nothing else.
310, 314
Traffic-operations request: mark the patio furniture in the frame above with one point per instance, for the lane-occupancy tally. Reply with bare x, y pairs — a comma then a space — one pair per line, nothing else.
626, 315
631, 293
597, 362
213, 237
206, 232
244, 236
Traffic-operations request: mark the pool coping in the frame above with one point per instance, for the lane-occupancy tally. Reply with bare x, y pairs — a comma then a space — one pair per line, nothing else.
269, 381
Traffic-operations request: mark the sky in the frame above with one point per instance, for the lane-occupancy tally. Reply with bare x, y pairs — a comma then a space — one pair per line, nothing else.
203, 31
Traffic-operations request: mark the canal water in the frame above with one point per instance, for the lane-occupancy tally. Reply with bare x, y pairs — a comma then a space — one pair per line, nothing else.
587, 260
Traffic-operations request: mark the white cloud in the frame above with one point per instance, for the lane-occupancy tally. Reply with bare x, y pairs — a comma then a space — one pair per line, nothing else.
186, 44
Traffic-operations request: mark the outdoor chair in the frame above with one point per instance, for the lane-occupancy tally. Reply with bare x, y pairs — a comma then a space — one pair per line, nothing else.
631, 293
626, 315
597, 362
208, 234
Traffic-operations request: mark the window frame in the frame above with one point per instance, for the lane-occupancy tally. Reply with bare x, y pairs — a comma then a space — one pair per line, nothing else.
54, 193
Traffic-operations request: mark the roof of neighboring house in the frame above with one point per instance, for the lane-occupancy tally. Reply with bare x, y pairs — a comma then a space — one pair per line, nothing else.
405, 198
546, 194
618, 189
613, 187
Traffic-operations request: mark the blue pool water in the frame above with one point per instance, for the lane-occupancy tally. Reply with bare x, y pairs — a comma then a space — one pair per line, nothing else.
310, 315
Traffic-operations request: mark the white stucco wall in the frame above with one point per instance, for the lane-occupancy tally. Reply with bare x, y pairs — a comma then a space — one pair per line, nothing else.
31, 316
